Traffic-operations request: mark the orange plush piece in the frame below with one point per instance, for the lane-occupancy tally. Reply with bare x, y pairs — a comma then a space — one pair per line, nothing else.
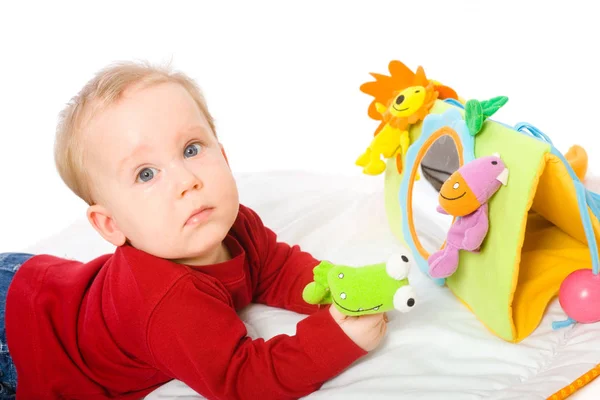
386, 88
400, 100
578, 159
408, 106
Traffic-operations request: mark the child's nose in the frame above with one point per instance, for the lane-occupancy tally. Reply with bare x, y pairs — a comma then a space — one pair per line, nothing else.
187, 181
189, 187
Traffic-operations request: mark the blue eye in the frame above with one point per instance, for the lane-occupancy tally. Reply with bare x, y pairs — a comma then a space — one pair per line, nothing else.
192, 150
146, 174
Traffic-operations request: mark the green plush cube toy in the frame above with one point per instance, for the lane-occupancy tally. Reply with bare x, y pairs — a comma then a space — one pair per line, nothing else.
369, 289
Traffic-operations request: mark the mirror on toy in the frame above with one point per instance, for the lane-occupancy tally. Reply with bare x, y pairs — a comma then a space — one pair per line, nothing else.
439, 161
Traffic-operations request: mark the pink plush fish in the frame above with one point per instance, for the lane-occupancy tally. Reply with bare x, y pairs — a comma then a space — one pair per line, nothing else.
465, 195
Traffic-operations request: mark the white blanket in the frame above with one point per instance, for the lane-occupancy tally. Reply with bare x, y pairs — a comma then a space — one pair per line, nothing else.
437, 351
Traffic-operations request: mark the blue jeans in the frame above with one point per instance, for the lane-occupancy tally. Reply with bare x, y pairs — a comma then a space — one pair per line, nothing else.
9, 264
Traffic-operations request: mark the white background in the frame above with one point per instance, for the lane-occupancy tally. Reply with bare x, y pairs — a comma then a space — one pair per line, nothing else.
282, 78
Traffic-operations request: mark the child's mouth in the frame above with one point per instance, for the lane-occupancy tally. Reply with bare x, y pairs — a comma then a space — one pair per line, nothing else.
199, 216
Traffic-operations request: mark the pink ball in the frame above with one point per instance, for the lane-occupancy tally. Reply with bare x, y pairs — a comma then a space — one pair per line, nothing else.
579, 296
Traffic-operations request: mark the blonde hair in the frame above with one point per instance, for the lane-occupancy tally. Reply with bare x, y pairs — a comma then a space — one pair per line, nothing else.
104, 89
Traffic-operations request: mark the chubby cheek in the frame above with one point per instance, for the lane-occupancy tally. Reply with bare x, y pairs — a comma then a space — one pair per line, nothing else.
227, 198
221, 184
229, 192
143, 218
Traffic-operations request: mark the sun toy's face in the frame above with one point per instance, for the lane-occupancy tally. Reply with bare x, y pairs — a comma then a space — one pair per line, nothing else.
407, 102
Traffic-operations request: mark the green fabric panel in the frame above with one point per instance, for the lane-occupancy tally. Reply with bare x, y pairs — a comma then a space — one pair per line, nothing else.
484, 281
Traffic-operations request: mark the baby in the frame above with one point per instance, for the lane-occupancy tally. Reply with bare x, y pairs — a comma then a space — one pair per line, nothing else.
138, 145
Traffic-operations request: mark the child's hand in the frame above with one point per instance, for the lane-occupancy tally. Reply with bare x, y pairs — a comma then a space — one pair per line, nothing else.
366, 331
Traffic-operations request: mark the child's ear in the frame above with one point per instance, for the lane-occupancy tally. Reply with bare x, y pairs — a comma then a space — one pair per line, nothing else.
223, 152
106, 226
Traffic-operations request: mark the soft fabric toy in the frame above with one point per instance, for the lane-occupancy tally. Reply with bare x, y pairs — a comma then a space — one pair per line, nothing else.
400, 100
476, 112
363, 290
465, 195
385, 87
393, 138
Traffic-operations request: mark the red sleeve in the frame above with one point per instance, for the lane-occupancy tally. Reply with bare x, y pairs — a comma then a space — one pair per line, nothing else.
284, 270
204, 344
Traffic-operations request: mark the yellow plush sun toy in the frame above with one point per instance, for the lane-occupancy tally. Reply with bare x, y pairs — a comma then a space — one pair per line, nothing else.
400, 100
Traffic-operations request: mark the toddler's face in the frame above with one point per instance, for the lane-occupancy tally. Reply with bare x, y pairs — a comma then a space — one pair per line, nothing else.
159, 171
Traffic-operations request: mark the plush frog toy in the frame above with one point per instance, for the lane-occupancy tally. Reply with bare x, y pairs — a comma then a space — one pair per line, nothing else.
369, 289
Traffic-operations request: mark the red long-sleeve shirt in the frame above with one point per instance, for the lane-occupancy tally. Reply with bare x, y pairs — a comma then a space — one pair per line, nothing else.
125, 323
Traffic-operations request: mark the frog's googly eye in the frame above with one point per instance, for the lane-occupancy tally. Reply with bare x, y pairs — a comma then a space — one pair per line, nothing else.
398, 266
405, 299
